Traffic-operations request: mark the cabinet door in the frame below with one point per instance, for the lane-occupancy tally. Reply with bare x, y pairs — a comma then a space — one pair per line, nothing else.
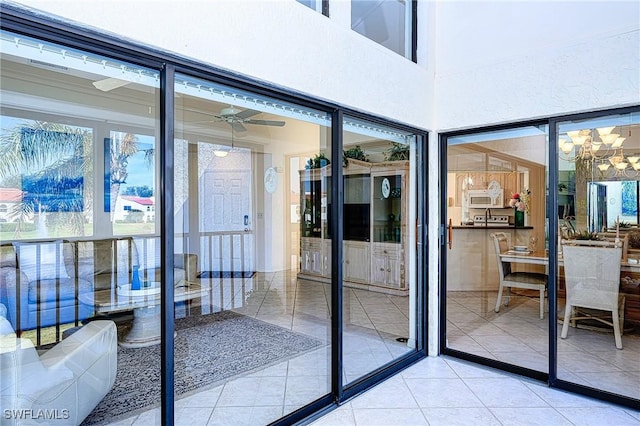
305, 259
311, 256
356, 261
386, 267
326, 253
379, 268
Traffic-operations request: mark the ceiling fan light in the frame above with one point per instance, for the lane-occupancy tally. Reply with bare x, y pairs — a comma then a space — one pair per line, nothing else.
231, 110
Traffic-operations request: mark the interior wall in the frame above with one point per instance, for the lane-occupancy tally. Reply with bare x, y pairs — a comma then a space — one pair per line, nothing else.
503, 61
277, 41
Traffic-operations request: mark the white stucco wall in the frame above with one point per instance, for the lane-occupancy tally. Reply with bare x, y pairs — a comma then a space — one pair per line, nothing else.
504, 61
278, 41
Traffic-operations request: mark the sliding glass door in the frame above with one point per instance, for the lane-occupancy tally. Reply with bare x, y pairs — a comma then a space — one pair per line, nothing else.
496, 274
251, 224
380, 287
598, 179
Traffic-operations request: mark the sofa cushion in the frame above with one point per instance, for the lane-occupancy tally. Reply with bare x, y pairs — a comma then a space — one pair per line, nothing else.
100, 257
7, 256
48, 287
41, 260
5, 327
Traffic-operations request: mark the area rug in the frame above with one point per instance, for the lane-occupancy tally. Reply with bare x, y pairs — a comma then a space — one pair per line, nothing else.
208, 350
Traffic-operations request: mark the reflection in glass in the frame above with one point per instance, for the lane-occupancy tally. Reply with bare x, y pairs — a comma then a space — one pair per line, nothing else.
598, 344
69, 241
255, 331
496, 307
385, 22
379, 204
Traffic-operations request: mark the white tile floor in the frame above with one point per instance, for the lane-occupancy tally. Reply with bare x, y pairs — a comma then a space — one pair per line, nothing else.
434, 391
516, 335
447, 391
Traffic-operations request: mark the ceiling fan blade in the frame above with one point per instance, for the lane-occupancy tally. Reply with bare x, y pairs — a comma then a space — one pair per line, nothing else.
246, 113
266, 122
201, 122
109, 84
238, 127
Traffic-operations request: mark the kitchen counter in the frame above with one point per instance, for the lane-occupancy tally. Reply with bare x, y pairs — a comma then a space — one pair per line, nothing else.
472, 264
490, 227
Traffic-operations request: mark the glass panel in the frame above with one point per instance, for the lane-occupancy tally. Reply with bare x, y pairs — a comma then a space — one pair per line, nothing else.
313, 4
254, 293
496, 303
130, 195
387, 22
598, 197
380, 287
72, 126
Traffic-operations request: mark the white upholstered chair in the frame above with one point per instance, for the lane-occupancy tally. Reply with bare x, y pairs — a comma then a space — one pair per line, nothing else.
67, 381
592, 279
508, 278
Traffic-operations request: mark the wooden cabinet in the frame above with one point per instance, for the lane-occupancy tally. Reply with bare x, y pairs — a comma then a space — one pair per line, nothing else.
387, 265
356, 261
374, 221
311, 256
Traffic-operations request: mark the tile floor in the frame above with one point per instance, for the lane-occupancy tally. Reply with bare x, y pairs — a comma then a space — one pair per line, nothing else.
447, 391
434, 391
516, 335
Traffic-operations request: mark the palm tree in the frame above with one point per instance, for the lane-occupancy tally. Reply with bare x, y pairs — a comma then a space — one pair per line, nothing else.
51, 162
123, 146
55, 162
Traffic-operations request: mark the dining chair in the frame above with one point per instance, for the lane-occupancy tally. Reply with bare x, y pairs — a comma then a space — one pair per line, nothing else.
592, 281
509, 278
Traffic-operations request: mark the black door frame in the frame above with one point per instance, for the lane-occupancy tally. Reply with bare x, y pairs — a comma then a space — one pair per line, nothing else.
551, 377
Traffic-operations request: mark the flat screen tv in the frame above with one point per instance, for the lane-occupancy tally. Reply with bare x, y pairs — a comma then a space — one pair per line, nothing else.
356, 222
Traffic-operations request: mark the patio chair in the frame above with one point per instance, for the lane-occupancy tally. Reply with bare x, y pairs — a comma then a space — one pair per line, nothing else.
508, 278
592, 278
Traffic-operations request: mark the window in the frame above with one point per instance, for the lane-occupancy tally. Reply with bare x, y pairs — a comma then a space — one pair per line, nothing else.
321, 6
387, 22
55, 187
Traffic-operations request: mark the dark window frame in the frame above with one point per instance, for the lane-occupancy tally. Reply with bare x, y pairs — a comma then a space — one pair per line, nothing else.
551, 378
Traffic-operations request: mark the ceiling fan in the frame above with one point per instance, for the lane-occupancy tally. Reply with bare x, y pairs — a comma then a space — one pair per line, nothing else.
238, 118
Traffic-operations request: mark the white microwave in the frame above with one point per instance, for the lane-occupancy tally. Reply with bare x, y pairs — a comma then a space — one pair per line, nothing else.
484, 199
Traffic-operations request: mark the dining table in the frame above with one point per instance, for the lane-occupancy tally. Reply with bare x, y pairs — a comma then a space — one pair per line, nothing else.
541, 257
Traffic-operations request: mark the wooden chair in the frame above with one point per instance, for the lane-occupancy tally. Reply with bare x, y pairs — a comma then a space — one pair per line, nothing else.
592, 279
508, 279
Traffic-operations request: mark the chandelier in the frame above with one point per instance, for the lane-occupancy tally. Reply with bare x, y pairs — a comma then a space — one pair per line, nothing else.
601, 147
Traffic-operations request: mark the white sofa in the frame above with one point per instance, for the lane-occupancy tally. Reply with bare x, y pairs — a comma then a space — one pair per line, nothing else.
61, 386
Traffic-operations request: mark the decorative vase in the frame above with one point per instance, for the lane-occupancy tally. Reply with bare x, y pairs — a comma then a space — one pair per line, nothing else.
518, 218
135, 278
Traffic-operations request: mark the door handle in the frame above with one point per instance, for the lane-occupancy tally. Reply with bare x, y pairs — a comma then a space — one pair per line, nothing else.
450, 234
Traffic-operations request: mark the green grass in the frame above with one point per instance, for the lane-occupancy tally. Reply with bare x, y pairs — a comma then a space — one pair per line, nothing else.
118, 229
